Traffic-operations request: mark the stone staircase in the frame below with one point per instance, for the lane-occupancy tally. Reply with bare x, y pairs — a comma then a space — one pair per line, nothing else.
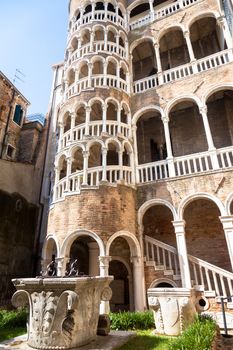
208, 280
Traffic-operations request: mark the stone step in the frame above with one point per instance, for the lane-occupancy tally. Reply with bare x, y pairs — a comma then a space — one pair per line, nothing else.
168, 272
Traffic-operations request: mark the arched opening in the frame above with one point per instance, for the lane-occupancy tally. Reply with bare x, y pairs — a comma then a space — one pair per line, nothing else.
95, 156
77, 161
86, 250
74, 44
157, 223
123, 72
121, 268
124, 116
126, 156
67, 122
150, 138
206, 37
119, 286
99, 34
139, 11
164, 285
205, 236
97, 67
173, 49
111, 8
220, 116
87, 10
185, 139
50, 250
99, 6
144, 60
122, 41
112, 155
85, 35
71, 77
62, 167
96, 111
112, 68
111, 36
80, 116
83, 71
231, 207
111, 111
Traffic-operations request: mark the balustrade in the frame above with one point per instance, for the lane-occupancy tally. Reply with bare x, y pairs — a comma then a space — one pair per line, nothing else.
218, 59
98, 46
99, 15
205, 276
161, 13
94, 177
113, 128
185, 165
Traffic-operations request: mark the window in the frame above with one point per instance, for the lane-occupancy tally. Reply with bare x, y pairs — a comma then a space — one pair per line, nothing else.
18, 115
10, 151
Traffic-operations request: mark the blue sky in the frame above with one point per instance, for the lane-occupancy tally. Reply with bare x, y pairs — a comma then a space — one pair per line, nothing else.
33, 36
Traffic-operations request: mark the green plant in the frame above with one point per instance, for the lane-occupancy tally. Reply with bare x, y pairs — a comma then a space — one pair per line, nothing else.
198, 336
147, 341
13, 319
131, 320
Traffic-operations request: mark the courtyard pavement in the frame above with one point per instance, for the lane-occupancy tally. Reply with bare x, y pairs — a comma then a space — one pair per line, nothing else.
113, 341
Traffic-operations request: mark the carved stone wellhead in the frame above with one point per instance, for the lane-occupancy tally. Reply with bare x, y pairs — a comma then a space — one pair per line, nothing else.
63, 312
173, 308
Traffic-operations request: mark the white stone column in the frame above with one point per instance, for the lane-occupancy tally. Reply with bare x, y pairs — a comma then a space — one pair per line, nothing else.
72, 125
104, 164
105, 69
135, 144
223, 26
151, 9
227, 222
119, 120
87, 121
92, 34
89, 74
85, 167
93, 259
57, 173
68, 172
105, 39
92, 10
139, 284
105, 10
104, 271
120, 161
170, 159
104, 120
211, 147
127, 49
82, 10
159, 64
118, 75
182, 253
61, 133
61, 266
189, 45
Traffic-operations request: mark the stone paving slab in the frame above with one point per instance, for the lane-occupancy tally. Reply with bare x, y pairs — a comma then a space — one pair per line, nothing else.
113, 341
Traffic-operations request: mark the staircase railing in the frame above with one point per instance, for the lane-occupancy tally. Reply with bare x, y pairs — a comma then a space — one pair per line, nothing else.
206, 277
162, 254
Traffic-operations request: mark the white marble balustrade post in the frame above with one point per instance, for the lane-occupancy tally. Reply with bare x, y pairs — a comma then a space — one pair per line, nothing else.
170, 159
159, 64
182, 253
227, 222
85, 168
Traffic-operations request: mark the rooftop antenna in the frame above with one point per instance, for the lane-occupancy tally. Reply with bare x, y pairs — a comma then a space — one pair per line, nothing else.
18, 76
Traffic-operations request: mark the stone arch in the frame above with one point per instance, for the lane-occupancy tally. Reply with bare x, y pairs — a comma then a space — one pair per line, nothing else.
143, 110
152, 202
51, 238
162, 280
140, 41
112, 100
215, 88
135, 4
201, 15
113, 141
74, 148
94, 142
131, 239
200, 195
69, 240
180, 99
94, 100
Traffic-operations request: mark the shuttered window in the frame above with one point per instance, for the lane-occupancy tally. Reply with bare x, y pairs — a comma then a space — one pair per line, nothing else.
18, 115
